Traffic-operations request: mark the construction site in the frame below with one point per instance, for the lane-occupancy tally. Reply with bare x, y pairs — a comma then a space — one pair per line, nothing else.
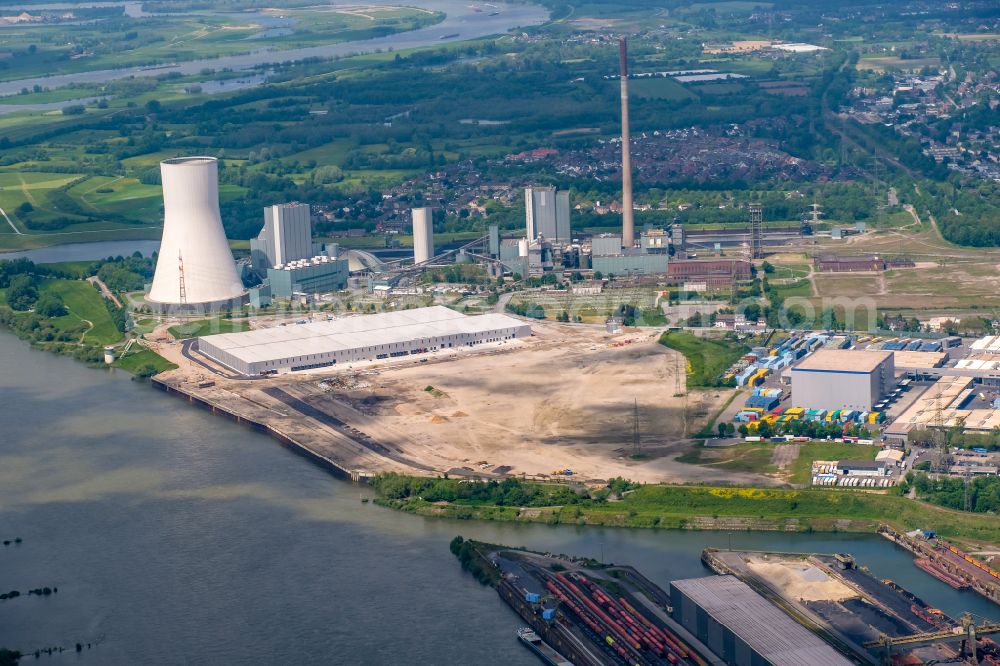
563, 401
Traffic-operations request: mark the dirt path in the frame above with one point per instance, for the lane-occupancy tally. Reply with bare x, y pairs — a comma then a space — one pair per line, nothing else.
784, 455
105, 292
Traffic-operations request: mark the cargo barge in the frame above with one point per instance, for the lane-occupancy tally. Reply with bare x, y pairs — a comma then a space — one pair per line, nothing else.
544, 651
939, 573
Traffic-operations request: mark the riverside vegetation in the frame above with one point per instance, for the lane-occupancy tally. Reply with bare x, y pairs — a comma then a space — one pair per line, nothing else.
55, 309
625, 504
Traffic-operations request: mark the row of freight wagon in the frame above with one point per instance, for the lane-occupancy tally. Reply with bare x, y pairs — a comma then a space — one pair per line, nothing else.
852, 481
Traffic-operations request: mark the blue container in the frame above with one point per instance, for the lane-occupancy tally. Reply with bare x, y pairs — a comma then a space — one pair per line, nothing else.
531, 597
549, 614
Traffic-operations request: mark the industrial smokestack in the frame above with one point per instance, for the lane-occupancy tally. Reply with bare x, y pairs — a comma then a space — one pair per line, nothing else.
628, 223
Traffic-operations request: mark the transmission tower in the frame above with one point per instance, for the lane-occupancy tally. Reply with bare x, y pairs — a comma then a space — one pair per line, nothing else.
180, 277
756, 231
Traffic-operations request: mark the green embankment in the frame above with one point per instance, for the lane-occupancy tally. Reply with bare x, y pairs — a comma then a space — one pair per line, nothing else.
707, 358
143, 361
85, 305
196, 329
751, 509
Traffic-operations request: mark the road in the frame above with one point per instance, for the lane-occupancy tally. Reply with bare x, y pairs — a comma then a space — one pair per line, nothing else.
105, 292
16, 230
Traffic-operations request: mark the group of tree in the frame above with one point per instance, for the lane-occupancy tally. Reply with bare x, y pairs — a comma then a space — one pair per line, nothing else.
509, 492
982, 494
806, 428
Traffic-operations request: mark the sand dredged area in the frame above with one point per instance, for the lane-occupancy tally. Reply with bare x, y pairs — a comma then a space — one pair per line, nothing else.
567, 398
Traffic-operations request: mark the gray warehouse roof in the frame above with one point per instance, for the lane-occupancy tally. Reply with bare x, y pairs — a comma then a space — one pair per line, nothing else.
843, 360
772, 634
324, 337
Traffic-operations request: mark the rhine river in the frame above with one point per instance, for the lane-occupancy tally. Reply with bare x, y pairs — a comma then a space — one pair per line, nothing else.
177, 537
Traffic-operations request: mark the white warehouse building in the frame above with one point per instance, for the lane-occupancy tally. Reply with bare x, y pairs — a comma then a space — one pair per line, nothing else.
360, 338
843, 379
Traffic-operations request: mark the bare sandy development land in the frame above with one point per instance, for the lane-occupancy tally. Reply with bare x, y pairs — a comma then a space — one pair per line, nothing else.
564, 399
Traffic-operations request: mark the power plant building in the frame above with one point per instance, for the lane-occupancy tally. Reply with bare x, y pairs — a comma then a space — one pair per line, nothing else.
745, 629
286, 237
195, 269
610, 257
423, 235
358, 338
308, 276
843, 379
546, 213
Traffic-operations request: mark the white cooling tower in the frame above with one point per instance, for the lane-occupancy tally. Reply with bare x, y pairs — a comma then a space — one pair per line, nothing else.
423, 235
195, 265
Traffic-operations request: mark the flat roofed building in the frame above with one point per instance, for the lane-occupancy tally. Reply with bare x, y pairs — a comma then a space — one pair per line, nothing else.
745, 629
308, 276
842, 378
358, 338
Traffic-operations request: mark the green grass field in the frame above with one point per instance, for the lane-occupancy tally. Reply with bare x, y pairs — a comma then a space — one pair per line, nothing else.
136, 360
706, 358
85, 304
742, 457
769, 509
196, 329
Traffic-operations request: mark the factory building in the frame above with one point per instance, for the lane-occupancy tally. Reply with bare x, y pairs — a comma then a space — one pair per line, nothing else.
308, 276
286, 237
546, 214
743, 628
610, 258
195, 269
843, 379
359, 338
423, 235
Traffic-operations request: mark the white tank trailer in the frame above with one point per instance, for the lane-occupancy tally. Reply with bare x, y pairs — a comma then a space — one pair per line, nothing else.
423, 235
195, 269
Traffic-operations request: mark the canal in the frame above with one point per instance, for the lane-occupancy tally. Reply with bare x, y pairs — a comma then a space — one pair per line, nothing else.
178, 537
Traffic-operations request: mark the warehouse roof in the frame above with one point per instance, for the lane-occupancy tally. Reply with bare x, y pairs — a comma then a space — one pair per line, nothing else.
843, 360
776, 637
353, 332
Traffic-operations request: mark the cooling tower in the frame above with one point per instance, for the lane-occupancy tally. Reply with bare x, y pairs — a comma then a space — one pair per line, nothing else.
423, 235
195, 267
